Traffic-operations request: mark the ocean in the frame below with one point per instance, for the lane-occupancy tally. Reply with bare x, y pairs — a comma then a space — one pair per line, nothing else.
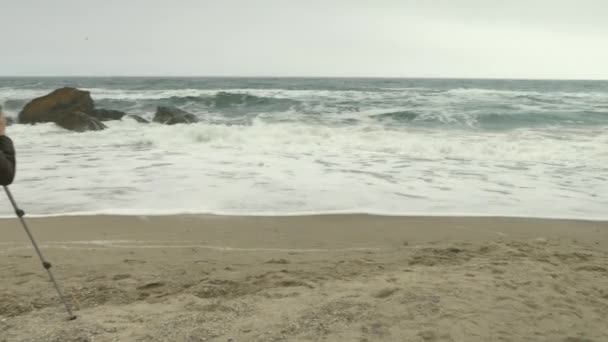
290, 146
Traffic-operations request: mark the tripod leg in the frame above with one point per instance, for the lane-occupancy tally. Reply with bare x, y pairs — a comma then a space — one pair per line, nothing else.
47, 265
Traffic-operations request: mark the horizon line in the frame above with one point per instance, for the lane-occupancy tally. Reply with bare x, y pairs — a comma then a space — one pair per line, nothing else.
308, 77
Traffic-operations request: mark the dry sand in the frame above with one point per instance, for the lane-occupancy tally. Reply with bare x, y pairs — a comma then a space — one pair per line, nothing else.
318, 278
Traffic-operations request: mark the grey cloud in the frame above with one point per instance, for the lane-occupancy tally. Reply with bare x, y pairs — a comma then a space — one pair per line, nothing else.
441, 38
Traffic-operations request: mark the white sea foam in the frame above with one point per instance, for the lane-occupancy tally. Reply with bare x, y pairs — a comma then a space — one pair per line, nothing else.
296, 168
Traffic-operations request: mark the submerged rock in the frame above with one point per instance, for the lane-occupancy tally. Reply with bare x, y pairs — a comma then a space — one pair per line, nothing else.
107, 114
80, 122
14, 104
172, 115
138, 118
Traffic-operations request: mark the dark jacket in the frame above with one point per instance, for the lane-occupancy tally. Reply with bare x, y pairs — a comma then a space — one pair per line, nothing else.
7, 160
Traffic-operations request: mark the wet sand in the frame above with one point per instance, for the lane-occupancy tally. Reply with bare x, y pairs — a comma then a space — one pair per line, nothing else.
315, 278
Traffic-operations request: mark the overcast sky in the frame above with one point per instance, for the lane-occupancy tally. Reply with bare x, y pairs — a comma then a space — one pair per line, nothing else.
382, 38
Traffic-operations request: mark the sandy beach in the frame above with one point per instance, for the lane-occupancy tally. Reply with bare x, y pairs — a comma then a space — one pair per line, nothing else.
315, 278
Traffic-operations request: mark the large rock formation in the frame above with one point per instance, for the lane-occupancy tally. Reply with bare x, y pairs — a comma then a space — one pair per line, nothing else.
172, 115
52, 107
70, 108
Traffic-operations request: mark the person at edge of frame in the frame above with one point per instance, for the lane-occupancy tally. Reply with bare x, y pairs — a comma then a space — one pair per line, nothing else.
7, 154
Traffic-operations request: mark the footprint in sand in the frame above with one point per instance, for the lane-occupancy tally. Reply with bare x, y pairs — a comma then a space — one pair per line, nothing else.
385, 293
592, 268
277, 261
577, 339
428, 335
150, 286
150, 289
25, 274
293, 283
121, 276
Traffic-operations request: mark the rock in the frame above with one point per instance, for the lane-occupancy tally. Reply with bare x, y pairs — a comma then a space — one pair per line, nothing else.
74, 109
10, 120
138, 118
107, 114
69, 108
80, 122
172, 115
52, 107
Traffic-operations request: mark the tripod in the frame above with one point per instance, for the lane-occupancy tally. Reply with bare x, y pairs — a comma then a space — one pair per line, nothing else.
47, 265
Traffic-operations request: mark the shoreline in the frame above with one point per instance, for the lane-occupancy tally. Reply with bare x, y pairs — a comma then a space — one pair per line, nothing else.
103, 213
330, 231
